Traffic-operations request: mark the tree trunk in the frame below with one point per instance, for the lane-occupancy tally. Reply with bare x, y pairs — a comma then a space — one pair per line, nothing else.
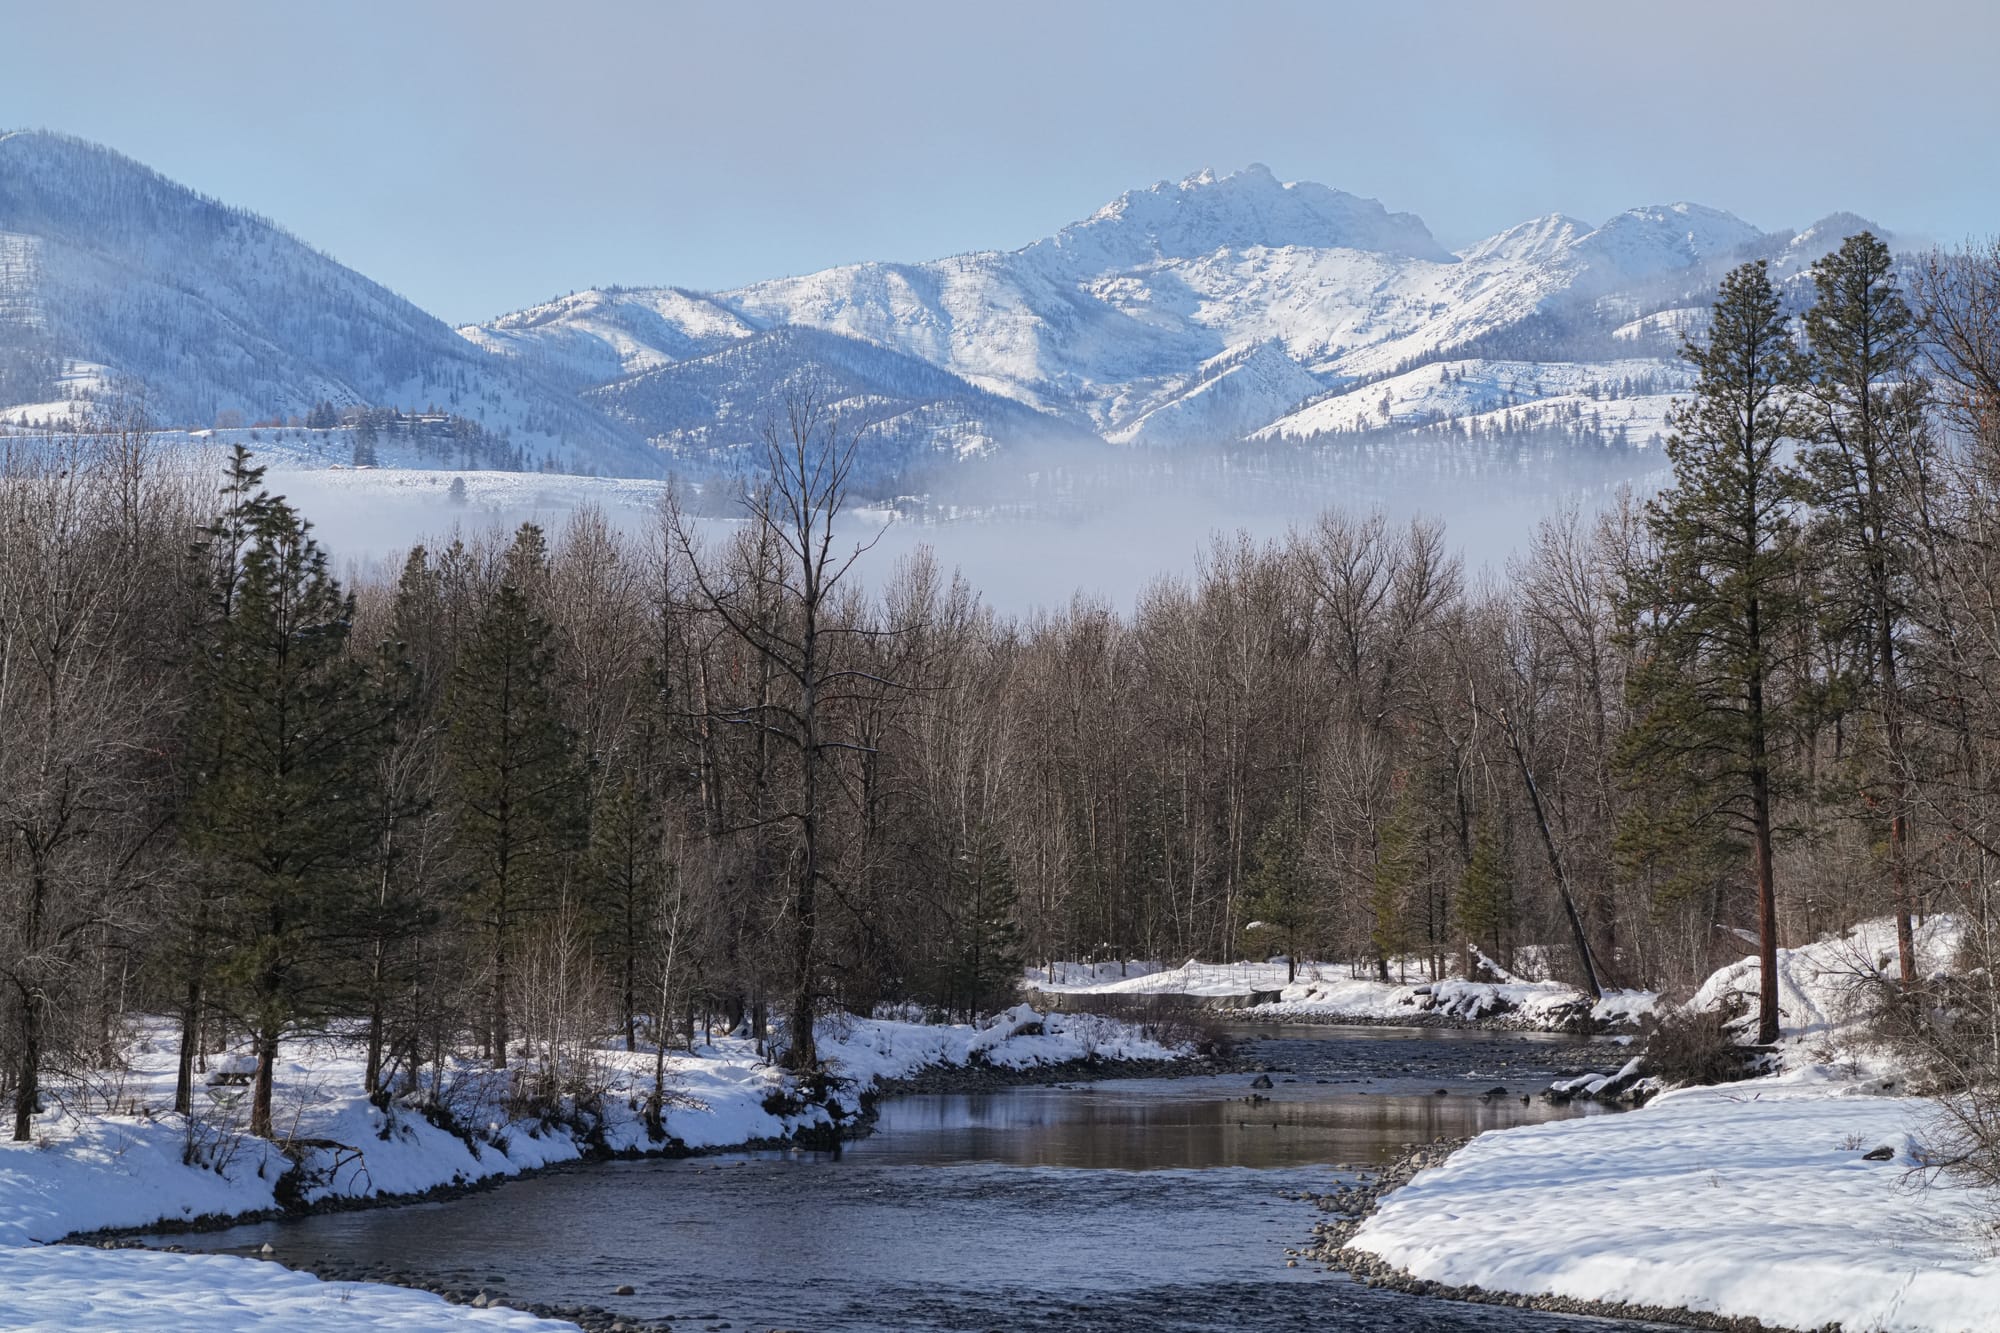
28, 1080
1899, 877
1767, 911
190, 1042
267, 1064
1578, 935
1760, 832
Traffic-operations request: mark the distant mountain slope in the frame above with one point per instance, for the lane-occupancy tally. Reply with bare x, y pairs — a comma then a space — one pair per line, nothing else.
713, 408
201, 309
1215, 309
1222, 307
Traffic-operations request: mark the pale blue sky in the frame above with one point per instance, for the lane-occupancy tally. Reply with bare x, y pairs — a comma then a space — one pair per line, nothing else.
480, 157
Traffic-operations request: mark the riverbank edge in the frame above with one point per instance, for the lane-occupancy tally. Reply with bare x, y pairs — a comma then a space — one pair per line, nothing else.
1353, 1204
934, 1079
1217, 1009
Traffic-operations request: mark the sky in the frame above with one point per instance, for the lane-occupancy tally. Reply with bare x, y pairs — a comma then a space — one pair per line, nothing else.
483, 157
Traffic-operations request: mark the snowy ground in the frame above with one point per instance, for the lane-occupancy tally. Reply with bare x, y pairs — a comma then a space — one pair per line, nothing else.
1324, 991
1751, 1199
112, 1157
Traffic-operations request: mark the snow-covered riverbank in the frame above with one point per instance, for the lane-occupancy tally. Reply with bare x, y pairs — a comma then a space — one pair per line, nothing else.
1331, 992
1755, 1199
114, 1158
1749, 1200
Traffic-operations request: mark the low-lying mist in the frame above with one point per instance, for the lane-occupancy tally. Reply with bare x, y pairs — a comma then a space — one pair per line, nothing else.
1038, 542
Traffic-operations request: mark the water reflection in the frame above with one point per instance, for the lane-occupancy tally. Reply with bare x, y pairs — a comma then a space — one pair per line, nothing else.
1140, 1127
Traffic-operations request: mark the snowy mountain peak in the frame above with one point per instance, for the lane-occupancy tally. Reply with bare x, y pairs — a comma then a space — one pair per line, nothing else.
1831, 230
1537, 240
1658, 237
1206, 212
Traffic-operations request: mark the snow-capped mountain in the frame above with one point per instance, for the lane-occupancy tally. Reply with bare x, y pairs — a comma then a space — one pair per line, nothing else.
1224, 307
115, 281
1205, 311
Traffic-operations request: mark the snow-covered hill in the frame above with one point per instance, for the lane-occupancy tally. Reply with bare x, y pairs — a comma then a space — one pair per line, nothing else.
712, 407
115, 281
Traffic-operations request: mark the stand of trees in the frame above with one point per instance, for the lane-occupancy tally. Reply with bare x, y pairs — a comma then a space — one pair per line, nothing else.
543, 790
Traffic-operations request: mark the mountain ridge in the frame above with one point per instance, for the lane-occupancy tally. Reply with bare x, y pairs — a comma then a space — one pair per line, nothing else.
1220, 307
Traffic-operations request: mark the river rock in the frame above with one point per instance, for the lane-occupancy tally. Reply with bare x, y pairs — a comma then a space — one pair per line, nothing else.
1261, 1081
624, 1289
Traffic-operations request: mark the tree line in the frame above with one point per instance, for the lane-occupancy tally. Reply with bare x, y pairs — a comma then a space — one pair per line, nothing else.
528, 792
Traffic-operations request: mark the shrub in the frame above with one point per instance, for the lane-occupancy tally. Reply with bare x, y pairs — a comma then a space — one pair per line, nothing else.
1695, 1046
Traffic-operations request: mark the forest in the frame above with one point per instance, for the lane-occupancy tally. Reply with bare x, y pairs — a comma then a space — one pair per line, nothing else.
538, 790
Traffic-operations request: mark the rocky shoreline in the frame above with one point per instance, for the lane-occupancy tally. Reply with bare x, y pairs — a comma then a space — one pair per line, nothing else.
1352, 1203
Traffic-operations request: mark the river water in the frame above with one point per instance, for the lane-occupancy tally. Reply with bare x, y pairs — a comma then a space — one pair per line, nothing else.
1142, 1204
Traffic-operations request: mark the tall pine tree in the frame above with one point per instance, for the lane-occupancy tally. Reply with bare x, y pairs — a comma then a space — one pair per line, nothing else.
517, 789
1715, 606
1865, 422
280, 807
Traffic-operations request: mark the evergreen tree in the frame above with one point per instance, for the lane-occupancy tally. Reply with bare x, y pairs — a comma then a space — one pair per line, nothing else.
245, 505
1399, 865
395, 906
516, 786
1716, 605
1486, 893
627, 874
1864, 419
279, 810
1281, 898
986, 968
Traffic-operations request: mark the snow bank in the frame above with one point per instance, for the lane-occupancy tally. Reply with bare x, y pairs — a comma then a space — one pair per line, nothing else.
1748, 1200
1325, 992
1752, 1199
1828, 989
91, 1169
62, 1289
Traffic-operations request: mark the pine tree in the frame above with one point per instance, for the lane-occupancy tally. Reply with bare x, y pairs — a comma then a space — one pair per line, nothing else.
396, 907
1399, 865
1717, 604
245, 504
516, 786
1865, 416
279, 809
1486, 893
627, 871
987, 968
1281, 898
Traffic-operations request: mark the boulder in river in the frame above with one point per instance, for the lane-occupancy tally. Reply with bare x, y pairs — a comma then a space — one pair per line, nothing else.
1261, 1081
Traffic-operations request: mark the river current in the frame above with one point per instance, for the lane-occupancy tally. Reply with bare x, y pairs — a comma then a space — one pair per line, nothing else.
1138, 1204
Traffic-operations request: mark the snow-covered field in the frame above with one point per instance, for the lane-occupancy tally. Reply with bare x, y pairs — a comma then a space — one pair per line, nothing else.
112, 1156
1750, 1199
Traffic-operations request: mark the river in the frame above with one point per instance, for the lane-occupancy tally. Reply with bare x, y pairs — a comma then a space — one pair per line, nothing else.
1139, 1204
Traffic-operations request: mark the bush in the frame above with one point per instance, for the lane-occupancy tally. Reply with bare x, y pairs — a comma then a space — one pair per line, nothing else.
1695, 1046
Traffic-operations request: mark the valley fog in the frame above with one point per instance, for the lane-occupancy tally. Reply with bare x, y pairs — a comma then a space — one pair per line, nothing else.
1110, 549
